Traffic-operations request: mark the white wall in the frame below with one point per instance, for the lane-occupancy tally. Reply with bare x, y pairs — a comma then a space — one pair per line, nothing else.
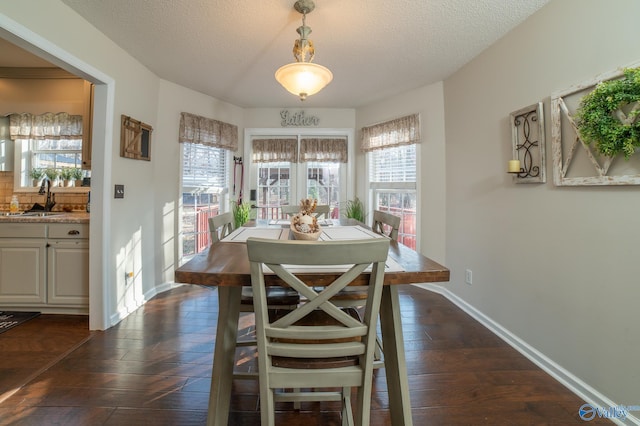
123, 232
428, 102
556, 266
172, 101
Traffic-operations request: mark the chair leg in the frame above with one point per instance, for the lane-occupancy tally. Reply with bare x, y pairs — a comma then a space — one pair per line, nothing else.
377, 352
347, 411
296, 404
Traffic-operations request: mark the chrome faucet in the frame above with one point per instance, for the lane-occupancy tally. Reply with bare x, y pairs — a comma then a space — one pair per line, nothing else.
51, 198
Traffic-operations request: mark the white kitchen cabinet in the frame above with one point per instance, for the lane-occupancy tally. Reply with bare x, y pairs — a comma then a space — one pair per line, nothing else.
68, 265
22, 272
44, 266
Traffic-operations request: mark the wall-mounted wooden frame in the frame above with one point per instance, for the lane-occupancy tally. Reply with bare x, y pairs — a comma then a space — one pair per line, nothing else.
576, 163
528, 143
135, 139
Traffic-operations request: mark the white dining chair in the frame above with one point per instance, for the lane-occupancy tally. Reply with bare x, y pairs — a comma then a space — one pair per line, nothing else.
386, 224
322, 211
278, 297
299, 354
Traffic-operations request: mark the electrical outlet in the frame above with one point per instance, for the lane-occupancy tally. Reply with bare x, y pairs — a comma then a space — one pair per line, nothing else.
468, 276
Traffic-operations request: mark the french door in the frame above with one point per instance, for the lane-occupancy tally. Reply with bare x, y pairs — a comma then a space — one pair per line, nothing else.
279, 183
285, 183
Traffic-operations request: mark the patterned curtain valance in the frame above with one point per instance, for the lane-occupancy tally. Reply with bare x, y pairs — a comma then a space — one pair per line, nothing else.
323, 149
207, 131
271, 150
401, 131
45, 126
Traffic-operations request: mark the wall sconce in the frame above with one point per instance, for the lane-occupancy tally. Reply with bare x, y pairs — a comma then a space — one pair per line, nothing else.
527, 138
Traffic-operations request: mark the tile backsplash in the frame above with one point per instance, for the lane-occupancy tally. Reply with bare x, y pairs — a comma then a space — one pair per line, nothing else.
69, 201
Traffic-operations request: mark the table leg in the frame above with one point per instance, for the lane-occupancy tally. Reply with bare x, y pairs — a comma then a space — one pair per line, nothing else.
394, 358
224, 355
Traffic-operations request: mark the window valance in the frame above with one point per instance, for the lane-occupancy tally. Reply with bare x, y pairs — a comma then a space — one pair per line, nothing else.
323, 149
45, 126
401, 131
273, 150
207, 131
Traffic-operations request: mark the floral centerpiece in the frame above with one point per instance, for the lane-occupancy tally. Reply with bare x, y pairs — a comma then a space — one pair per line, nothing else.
304, 225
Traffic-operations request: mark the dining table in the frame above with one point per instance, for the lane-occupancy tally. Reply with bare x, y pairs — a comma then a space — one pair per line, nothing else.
225, 265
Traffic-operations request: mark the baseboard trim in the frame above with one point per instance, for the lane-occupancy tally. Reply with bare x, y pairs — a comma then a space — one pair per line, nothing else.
148, 295
566, 378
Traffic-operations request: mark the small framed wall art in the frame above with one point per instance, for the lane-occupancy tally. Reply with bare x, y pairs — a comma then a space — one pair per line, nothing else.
135, 139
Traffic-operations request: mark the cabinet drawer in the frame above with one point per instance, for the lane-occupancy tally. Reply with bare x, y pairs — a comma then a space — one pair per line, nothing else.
69, 230
23, 230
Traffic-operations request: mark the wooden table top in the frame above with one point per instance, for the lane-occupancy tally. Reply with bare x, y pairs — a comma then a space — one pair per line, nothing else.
227, 264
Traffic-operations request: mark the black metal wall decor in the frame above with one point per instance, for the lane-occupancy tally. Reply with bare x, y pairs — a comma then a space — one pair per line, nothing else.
528, 143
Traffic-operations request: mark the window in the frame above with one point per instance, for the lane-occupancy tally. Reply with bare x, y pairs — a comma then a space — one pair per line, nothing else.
274, 188
204, 191
207, 146
323, 183
392, 165
48, 144
392, 181
287, 169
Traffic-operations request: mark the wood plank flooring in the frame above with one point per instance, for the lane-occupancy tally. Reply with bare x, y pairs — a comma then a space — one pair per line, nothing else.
154, 368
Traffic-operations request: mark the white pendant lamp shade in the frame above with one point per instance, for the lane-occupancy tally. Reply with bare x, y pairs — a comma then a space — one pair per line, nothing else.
303, 78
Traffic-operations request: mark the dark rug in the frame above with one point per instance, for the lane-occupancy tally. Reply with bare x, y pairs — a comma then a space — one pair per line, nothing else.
10, 319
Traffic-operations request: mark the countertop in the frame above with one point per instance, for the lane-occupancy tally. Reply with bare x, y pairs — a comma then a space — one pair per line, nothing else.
51, 217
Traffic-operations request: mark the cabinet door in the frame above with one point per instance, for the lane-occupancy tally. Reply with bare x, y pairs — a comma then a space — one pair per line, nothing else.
68, 272
22, 271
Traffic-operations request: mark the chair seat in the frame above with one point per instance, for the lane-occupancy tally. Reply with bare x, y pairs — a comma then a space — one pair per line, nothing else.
351, 293
276, 296
317, 318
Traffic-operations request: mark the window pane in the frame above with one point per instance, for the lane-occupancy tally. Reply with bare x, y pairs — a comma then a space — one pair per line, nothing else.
397, 164
204, 167
323, 184
274, 189
402, 204
388, 167
204, 185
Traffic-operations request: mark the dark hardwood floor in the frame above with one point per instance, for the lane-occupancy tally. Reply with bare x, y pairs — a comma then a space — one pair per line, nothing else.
154, 368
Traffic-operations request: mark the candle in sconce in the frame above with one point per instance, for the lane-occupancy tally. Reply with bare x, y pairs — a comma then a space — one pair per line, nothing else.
514, 166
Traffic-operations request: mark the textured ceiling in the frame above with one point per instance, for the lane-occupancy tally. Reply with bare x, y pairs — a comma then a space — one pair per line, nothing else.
230, 49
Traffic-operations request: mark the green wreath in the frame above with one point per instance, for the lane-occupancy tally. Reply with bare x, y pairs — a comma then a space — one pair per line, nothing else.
601, 120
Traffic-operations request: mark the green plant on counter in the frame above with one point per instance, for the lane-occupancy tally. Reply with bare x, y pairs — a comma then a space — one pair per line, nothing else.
66, 173
241, 213
76, 173
608, 115
52, 174
355, 210
36, 173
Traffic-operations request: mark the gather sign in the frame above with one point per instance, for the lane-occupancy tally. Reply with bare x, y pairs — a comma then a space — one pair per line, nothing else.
297, 119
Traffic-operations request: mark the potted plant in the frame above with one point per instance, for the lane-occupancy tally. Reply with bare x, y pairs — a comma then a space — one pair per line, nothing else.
241, 212
608, 115
65, 175
355, 210
52, 174
35, 174
76, 176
